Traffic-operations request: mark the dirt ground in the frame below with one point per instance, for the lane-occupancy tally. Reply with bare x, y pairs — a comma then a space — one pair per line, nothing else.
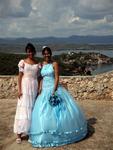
99, 115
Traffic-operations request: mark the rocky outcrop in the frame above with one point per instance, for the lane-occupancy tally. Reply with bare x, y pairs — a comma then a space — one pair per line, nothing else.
81, 87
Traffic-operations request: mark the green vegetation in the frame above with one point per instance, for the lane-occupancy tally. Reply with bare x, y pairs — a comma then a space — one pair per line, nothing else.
69, 64
9, 63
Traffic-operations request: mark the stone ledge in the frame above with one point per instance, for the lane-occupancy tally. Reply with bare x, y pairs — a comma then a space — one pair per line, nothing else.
81, 87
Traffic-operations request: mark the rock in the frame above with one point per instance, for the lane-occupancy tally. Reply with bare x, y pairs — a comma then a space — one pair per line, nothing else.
81, 87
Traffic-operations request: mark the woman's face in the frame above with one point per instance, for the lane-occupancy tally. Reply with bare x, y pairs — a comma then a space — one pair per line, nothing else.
47, 55
30, 54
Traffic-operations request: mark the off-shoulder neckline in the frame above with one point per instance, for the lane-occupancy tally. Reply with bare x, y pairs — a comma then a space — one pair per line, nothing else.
29, 63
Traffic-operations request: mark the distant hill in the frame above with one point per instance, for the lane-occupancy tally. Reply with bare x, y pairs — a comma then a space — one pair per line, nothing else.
58, 40
17, 45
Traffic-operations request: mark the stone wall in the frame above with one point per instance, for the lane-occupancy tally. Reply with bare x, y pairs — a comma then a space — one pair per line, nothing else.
99, 87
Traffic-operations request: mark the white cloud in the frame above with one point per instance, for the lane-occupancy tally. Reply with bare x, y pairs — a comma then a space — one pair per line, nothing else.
15, 8
37, 18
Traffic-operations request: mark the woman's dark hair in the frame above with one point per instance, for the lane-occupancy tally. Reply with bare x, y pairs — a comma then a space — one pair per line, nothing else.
46, 49
30, 47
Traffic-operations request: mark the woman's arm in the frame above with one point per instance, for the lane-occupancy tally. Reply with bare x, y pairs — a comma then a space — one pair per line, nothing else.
39, 85
19, 84
56, 69
39, 79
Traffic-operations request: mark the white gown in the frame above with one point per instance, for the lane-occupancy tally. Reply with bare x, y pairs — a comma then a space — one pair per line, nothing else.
25, 104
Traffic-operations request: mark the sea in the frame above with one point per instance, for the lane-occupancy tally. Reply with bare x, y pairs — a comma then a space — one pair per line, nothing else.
100, 68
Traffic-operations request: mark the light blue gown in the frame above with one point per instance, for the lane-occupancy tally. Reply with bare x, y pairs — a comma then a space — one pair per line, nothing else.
55, 125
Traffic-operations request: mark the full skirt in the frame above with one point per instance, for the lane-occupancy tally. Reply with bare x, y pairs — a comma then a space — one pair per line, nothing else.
56, 125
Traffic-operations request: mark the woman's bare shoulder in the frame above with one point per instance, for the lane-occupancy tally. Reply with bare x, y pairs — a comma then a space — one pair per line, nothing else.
55, 63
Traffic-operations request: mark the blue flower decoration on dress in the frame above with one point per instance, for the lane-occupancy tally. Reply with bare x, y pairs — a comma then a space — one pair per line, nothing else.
54, 100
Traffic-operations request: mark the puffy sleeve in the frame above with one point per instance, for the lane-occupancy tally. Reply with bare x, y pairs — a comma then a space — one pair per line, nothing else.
21, 66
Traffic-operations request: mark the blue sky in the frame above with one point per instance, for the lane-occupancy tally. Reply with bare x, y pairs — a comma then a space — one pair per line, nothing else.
60, 18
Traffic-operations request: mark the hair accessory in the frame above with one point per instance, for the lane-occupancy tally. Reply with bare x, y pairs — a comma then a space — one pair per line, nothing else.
44, 47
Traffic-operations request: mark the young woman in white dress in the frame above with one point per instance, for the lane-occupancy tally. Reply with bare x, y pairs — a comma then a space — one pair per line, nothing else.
27, 92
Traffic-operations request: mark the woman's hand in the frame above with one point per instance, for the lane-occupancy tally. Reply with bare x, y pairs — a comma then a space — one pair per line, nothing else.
19, 94
39, 91
53, 93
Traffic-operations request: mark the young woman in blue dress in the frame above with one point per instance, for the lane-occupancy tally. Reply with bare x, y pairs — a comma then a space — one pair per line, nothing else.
56, 118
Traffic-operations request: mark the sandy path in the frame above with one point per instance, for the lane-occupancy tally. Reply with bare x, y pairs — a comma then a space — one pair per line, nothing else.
99, 115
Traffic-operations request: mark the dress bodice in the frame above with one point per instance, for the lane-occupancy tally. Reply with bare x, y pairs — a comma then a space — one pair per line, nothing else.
47, 72
29, 70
